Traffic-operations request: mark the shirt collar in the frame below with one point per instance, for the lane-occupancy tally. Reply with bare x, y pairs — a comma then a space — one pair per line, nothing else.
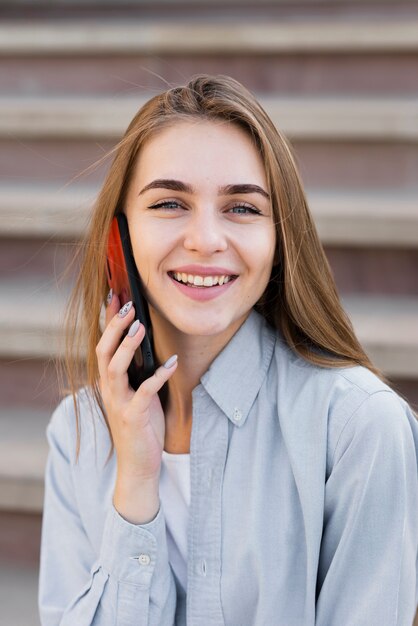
234, 378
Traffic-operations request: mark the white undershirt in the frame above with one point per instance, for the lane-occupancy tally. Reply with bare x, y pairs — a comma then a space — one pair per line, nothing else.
175, 502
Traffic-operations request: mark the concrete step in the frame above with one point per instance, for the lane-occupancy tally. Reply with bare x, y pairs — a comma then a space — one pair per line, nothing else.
388, 330
23, 451
343, 217
45, 210
387, 327
291, 73
19, 595
308, 118
369, 218
306, 5
223, 34
381, 271
31, 314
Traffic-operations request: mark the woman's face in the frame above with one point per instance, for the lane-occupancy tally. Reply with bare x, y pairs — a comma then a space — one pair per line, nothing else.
198, 210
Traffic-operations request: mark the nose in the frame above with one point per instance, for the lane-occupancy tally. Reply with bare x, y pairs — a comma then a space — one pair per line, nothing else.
205, 233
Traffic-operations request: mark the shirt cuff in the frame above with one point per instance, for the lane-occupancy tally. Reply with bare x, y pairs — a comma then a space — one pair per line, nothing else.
133, 553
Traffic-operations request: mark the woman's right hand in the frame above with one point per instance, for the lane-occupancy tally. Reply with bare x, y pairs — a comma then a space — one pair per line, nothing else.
135, 418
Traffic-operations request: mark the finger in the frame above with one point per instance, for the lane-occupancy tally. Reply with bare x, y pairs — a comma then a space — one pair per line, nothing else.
112, 306
117, 370
151, 386
111, 338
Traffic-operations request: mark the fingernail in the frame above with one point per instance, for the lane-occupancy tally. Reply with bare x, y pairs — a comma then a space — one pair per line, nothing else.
109, 297
134, 328
125, 309
170, 362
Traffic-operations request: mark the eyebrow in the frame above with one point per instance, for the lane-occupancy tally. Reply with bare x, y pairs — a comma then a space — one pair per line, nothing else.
227, 190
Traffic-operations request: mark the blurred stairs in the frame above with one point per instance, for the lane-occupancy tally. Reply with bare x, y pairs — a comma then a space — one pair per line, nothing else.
339, 78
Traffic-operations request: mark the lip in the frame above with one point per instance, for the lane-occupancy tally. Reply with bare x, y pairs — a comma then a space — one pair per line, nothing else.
202, 270
202, 294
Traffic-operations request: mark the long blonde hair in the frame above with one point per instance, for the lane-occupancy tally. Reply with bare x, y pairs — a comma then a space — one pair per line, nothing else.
300, 300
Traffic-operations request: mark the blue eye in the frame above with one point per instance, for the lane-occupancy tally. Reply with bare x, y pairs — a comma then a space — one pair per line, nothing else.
165, 205
245, 209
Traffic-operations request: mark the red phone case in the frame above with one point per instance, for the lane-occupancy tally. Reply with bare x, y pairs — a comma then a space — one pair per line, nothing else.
116, 270
123, 278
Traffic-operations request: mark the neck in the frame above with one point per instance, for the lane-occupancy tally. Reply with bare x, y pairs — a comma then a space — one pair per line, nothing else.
195, 354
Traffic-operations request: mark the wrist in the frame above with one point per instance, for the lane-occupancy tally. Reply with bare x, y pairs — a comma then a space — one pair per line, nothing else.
137, 502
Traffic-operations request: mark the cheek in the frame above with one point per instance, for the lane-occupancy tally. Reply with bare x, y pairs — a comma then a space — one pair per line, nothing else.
155, 237
260, 251
143, 255
150, 253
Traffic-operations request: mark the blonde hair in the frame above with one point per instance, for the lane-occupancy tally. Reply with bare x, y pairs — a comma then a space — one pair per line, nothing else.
300, 300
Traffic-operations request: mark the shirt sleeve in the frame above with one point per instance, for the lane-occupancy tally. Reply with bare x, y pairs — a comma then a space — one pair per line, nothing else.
368, 558
129, 583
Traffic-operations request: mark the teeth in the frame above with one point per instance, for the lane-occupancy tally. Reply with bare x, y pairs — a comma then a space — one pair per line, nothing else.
201, 281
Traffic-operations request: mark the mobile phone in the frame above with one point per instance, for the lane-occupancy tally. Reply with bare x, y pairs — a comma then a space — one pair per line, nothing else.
124, 279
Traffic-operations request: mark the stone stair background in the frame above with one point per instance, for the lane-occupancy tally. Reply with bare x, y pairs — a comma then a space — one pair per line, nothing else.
339, 78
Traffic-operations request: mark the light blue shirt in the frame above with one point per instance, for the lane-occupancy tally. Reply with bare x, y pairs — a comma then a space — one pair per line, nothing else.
303, 511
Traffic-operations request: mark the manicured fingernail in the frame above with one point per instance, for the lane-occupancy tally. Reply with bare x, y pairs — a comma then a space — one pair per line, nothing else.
125, 309
134, 328
109, 297
170, 362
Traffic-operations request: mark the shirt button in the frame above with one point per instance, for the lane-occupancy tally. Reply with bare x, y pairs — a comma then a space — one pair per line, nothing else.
201, 568
237, 415
144, 559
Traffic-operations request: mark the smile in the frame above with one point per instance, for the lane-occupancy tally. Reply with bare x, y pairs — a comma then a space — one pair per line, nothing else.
201, 281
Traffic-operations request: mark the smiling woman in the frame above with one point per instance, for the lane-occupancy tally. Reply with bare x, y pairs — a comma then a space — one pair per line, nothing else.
263, 472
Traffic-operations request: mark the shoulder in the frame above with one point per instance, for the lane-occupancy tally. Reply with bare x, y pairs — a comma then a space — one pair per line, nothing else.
360, 401
369, 408
339, 390
371, 420
343, 402
79, 413
336, 388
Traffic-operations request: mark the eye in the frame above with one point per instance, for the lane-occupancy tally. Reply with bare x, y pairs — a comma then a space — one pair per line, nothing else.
167, 204
244, 209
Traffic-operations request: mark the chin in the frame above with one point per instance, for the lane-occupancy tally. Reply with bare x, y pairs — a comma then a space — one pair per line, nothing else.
200, 323
202, 327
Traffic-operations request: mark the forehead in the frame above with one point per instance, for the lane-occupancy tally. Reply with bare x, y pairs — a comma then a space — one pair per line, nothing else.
201, 151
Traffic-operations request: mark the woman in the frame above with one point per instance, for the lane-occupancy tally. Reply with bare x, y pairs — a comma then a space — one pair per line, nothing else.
275, 481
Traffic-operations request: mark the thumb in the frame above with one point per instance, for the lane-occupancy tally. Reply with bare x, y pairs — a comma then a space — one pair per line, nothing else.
152, 385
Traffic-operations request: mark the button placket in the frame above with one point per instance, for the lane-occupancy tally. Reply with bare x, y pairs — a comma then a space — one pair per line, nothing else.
209, 444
